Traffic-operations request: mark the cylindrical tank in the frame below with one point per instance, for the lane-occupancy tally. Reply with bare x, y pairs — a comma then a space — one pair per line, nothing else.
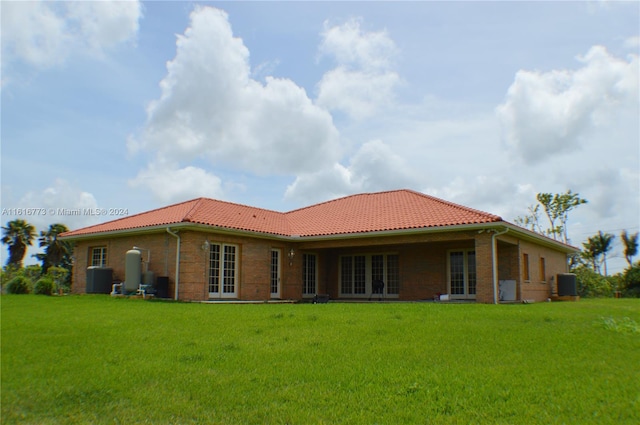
567, 285
147, 277
132, 270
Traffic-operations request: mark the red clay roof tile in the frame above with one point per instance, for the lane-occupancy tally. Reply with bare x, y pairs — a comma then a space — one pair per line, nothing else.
166, 215
372, 212
367, 212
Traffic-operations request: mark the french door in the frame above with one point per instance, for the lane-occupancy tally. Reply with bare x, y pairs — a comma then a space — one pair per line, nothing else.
462, 274
309, 275
275, 273
361, 274
223, 271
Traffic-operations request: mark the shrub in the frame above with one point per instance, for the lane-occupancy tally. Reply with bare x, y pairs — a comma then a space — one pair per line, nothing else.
19, 285
45, 286
32, 272
631, 281
59, 276
9, 272
592, 284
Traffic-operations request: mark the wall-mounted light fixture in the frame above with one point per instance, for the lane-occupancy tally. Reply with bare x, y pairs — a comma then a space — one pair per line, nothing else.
205, 245
291, 254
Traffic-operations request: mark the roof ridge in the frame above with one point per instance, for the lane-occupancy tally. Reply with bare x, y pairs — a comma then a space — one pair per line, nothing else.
240, 205
189, 215
459, 206
347, 197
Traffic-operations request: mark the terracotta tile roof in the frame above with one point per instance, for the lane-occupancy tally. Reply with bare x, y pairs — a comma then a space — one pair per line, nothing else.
239, 217
372, 212
205, 211
167, 215
368, 212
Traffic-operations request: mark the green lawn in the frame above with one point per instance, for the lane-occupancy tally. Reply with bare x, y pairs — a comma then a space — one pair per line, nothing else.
95, 359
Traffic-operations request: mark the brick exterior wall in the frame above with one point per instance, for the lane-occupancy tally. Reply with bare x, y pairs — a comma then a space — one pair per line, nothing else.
539, 287
484, 268
423, 262
163, 254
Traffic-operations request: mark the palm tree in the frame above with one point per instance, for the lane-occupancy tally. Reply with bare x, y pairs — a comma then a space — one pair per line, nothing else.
605, 243
630, 246
56, 252
17, 235
591, 252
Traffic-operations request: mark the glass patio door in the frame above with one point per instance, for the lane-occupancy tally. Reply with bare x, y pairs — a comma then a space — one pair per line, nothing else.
462, 274
360, 274
223, 271
275, 273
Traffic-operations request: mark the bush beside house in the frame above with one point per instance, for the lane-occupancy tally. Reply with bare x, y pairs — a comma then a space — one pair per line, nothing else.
30, 279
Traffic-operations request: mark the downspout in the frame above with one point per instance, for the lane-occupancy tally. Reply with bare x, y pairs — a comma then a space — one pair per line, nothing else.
177, 278
494, 257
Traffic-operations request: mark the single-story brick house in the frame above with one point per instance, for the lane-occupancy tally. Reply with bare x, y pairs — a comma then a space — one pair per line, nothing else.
416, 245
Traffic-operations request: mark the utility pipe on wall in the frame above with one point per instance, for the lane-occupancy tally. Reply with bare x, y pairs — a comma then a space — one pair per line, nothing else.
177, 278
494, 257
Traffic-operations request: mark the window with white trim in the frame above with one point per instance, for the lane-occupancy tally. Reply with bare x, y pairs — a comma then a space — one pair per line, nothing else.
223, 270
462, 273
99, 256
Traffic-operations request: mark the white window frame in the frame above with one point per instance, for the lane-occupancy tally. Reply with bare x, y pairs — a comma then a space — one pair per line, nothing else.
222, 269
275, 276
466, 252
102, 256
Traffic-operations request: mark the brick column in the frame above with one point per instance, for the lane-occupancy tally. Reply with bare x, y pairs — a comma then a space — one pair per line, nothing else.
484, 268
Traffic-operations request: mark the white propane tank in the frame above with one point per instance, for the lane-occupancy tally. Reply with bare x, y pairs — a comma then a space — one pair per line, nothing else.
132, 270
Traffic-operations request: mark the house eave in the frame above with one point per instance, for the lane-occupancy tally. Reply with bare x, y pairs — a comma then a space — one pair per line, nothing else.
174, 226
490, 226
120, 232
396, 232
531, 236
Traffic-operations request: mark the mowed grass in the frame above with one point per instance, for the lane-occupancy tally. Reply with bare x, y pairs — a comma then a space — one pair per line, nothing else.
96, 359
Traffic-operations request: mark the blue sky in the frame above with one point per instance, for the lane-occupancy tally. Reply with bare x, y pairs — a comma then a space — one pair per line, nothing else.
279, 105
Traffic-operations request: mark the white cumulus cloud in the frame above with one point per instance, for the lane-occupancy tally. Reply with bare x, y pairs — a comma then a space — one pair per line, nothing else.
549, 113
63, 203
364, 80
374, 167
43, 34
104, 24
170, 184
352, 46
212, 109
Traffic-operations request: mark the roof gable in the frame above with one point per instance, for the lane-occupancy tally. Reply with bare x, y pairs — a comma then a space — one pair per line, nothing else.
362, 213
382, 211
